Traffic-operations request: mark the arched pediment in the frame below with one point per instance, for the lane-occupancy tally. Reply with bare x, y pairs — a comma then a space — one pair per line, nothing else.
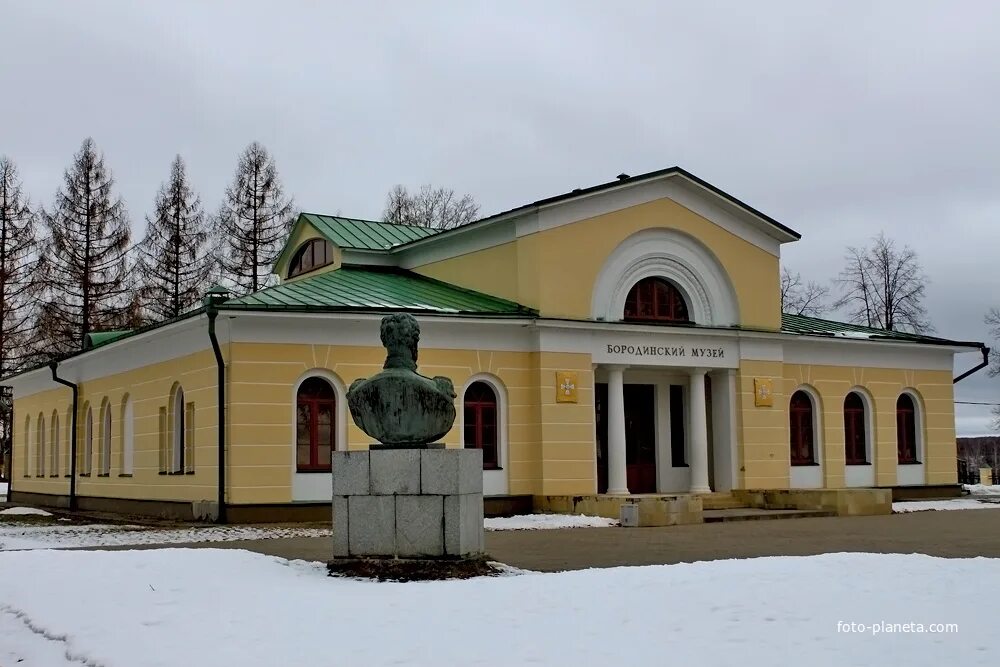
676, 257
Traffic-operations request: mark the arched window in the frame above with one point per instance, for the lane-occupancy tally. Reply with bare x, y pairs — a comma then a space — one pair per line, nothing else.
855, 430
88, 442
68, 465
179, 432
655, 300
906, 429
310, 255
480, 405
27, 446
54, 446
800, 416
316, 428
127, 433
40, 449
106, 439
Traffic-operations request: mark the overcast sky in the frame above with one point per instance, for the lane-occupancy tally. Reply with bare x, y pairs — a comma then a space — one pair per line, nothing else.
838, 119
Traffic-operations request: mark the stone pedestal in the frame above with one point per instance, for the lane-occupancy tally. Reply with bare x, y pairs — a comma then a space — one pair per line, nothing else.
408, 503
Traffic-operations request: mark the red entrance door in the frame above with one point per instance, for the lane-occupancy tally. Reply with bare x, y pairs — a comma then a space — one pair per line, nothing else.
640, 438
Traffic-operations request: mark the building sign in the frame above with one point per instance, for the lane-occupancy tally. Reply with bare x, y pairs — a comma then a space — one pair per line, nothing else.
566, 386
697, 353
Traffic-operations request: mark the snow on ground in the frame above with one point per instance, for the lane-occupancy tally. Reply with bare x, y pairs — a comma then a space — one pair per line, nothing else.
951, 504
983, 489
27, 536
542, 521
20, 536
233, 607
11, 511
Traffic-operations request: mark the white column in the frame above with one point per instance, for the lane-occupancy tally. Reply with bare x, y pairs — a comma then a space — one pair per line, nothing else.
699, 432
617, 480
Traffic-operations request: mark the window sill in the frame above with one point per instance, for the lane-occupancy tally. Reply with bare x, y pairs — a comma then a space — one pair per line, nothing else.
679, 465
866, 463
55, 476
40, 476
162, 472
312, 471
84, 474
189, 472
493, 469
803, 465
104, 474
909, 463
124, 474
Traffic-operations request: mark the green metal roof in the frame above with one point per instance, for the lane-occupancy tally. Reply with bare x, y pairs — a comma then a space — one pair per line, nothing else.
802, 325
350, 288
355, 234
101, 337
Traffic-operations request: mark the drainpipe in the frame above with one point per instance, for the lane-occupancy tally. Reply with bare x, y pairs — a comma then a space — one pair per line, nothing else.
53, 365
984, 364
213, 312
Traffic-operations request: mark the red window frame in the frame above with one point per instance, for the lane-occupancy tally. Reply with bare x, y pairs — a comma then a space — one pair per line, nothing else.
314, 393
482, 423
906, 430
312, 255
855, 431
655, 300
800, 436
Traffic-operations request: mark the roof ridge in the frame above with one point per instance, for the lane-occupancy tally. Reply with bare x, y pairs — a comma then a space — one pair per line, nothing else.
371, 222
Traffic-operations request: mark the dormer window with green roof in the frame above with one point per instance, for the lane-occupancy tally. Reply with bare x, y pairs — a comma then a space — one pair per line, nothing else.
310, 255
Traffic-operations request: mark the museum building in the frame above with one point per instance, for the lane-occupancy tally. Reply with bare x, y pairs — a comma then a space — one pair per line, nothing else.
615, 344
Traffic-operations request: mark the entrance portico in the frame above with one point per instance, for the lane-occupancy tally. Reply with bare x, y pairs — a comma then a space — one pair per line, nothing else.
665, 428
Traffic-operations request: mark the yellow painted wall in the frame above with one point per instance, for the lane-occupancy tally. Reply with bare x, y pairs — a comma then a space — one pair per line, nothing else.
557, 269
764, 434
568, 445
263, 377
761, 433
149, 389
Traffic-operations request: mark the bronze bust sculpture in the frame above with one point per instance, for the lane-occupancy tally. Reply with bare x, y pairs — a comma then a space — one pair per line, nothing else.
400, 407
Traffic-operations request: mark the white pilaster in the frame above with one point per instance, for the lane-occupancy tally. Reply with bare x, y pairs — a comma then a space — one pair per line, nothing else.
699, 432
617, 479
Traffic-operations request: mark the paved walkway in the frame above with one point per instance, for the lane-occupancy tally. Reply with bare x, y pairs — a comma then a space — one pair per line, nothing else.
953, 534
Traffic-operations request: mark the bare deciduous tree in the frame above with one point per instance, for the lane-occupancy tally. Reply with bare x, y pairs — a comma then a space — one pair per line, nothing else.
993, 322
439, 208
253, 222
800, 298
884, 287
174, 263
85, 264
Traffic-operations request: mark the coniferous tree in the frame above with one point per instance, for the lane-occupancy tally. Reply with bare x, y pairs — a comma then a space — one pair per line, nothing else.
18, 264
174, 263
18, 290
253, 222
86, 269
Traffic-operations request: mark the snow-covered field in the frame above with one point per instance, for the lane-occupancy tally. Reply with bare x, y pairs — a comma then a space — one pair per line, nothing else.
15, 536
950, 504
230, 607
546, 521
26, 536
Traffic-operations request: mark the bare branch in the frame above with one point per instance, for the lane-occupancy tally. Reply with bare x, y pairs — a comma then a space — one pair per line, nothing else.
433, 207
884, 287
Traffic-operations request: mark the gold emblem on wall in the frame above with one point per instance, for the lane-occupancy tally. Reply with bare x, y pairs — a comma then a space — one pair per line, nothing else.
763, 392
566, 384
